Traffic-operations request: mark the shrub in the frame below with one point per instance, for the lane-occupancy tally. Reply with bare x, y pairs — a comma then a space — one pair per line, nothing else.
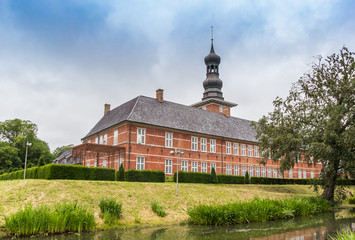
214, 178
344, 235
110, 210
351, 200
246, 178
230, 179
43, 219
157, 208
29, 165
144, 176
120, 173
193, 177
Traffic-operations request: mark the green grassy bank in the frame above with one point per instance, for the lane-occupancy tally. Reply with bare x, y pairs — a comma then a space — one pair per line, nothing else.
136, 198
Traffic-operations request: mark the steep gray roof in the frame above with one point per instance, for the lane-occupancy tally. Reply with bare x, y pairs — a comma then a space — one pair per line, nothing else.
176, 116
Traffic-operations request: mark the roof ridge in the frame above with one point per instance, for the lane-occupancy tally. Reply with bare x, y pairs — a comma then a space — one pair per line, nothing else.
135, 104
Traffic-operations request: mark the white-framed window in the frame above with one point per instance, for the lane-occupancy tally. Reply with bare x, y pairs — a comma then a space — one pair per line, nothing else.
290, 173
236, 170
312, 174
212, 145
89, 141
236, 148
244, 170
250, 171
194, 166
204, 167
194, 143
304, 173
140, 163
243, 152
275, 173
228, 148
220, 109
120, 161
104, 163
88, 164
263, 173
229, 169
97, 140
203, 144
213, 165
184, 166
105, 139
257, 171
256, 151
269, 172
168, 140
140, 135
250, 150
95, 164
115, 137
168, 166
101, 141
281, 174
299, 173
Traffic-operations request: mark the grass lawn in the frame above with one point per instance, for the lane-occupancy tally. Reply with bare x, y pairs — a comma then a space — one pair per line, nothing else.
136, 197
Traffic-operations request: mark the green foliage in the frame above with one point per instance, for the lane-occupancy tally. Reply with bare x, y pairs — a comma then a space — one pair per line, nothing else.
43, 219
351, 200
120, 173
193, 177
318, 115
256, 210
157, 208
110, 210
29, 165
230, 179
344, 235
214, 178
246, 178
144, 176
59, 150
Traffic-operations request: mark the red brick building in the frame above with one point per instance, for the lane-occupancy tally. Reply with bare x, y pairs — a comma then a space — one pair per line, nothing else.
145, 130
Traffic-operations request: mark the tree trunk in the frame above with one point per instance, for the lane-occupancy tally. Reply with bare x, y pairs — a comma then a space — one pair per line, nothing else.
329, 187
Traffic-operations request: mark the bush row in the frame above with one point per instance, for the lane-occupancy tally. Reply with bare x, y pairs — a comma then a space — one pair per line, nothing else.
54, 171
144, 176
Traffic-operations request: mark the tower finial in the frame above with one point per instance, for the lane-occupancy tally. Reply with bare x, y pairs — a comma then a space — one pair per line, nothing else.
211, 33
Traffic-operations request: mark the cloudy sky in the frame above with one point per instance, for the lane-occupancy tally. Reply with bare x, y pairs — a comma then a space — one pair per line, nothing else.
61, 61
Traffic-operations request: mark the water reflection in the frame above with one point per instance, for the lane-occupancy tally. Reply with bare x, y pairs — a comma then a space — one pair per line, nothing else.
305, 228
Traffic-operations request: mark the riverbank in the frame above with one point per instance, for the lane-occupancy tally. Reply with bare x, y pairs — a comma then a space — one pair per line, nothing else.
136, 197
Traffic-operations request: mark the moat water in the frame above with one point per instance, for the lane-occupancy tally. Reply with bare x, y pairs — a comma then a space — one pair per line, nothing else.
303, 228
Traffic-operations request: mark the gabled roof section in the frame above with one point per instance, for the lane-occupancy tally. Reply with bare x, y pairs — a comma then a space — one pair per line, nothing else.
177, 116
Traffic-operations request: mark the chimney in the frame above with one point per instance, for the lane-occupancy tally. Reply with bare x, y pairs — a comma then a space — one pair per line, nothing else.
107, 108
227, 111
160, 95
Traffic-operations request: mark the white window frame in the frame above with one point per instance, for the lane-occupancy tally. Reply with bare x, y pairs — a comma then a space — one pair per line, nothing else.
312, 174
236, 148
89, 141
101, 139
256, 151
250, 171
194, 143
97, 140
274, 175
228, 148
244, 170
194, 166
257, 171
204, 167
243, 149
229, 169
169, 139
185, 165
115, 137
304, 173
290, 173
88, 164
140, 163
213, 145
213, 165
104, 163
95, 164
250, 150
236, 170
299, 173
203, 144
168, 166
263, 172
105, 139
141, 135
269, 174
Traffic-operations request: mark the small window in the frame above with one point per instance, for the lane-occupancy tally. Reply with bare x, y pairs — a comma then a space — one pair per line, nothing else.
89, 141
101, 139
204, 167
168, 166
140, 135
168, 140
96, 140
228, 148
213, 165
229, 169
300, 173
184, 166
105, 139
257, 171
212, 145
88, 164
140, 163
104, 163
290, 173
194, 143
203, 145
269, 172
256, 151
236, 148
220, 109
250, 150
250, 171
244, 170
115, 137
236, 170
243, 146
312, 174
275, 173
194, 166
263, 173
304, 173
95, 164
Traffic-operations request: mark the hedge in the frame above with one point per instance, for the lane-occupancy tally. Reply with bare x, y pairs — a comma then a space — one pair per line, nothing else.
193, 177
230, 179
144, 176
54, 171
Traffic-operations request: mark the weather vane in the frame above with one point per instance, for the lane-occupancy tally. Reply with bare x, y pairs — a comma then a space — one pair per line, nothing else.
212, 33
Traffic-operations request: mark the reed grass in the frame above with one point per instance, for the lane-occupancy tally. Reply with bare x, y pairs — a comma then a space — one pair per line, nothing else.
110, 210
157, 208
66, 217
344, 235
256, 210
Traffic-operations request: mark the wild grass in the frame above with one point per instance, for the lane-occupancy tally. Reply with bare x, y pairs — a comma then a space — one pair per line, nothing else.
66, 217
344, 235
157, 208
256, 210
110, 210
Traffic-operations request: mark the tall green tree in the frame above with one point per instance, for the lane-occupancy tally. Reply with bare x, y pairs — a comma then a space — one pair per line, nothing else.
315, 121
59, 150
